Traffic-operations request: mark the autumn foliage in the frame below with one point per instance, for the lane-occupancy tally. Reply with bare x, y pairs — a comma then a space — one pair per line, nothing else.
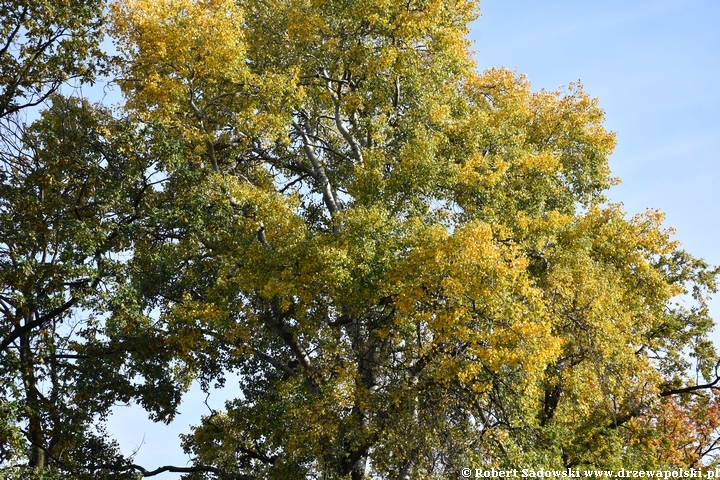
412, 267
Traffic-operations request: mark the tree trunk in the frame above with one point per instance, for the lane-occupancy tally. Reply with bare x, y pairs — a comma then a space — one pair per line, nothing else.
32, 399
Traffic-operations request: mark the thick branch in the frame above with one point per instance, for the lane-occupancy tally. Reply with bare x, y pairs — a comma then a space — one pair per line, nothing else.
211, 153
20, 331
694, 389
281, 330
258, 456
691, 389
169, 468
319, 170
407, 470
274, 362
336, 95
620, 421
354, 146
199, 114
11, 36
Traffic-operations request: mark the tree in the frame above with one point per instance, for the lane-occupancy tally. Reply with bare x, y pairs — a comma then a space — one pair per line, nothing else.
44, 44
49, 263
70, 198
411, 266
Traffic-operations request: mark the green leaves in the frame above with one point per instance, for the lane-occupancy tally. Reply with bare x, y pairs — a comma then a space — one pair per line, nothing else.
44, 44
71, 197
410, 266
396, 253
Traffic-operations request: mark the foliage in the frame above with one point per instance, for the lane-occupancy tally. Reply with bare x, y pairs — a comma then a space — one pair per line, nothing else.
411, 266
70, 198
44, 44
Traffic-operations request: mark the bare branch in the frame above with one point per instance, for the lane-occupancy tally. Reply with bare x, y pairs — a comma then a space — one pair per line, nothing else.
692, 388
274, 362
172, 469
320, 175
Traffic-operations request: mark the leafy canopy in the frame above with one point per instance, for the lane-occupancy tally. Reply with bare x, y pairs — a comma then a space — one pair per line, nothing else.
411, 266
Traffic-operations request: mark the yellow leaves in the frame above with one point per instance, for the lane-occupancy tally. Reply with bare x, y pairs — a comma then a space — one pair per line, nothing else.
604, 264
526, 151
468, 287
605, 299
181, 57
188, 34
457, 273
544, 163
650, 235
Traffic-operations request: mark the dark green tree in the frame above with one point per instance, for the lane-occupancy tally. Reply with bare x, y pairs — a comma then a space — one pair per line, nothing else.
70, 198
45, 44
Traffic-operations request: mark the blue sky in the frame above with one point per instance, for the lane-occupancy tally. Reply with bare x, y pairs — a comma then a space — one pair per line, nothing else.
655, 65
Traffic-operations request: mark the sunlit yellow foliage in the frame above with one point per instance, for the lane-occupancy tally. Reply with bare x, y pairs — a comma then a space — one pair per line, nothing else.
411, 265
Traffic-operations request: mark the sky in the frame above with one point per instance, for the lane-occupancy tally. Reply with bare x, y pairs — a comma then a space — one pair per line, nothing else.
655, 66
